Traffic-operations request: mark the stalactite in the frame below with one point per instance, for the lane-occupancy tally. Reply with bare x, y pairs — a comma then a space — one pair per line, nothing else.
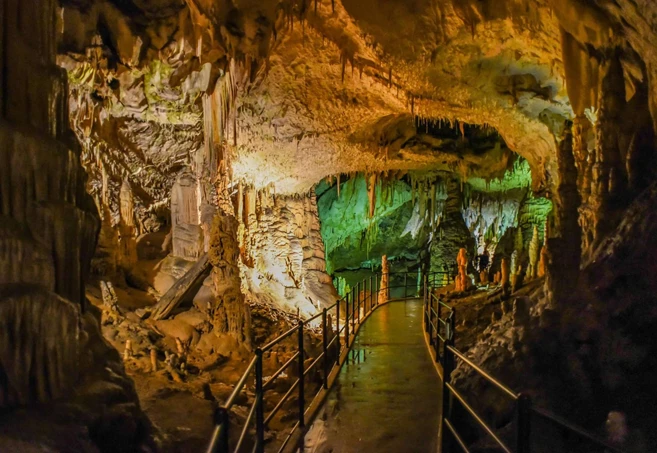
432, 201
534, 246
371, 193
338, 183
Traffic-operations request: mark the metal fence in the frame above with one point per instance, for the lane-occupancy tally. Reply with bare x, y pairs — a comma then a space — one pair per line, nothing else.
439, 325
339, 326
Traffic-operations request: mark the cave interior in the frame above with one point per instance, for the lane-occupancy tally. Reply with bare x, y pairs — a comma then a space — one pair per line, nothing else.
184, 180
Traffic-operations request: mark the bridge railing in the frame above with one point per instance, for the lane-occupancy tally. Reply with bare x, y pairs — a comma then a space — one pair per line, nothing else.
440, 327
339, 324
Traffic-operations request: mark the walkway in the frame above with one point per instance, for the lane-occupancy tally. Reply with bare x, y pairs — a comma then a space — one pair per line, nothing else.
387, 396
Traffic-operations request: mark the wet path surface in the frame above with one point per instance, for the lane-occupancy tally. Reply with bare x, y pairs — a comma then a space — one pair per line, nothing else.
386, 398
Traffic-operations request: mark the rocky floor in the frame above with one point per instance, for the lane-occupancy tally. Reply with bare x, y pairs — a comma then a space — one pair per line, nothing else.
182, 370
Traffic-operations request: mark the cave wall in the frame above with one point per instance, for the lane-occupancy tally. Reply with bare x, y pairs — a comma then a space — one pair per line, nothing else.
50, 350
49, 222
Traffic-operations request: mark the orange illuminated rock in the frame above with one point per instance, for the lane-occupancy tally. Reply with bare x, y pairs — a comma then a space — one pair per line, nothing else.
542, 262
462, 280
384, 292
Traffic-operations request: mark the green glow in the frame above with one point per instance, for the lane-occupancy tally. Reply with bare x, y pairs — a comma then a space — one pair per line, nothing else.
519, 177
345, 222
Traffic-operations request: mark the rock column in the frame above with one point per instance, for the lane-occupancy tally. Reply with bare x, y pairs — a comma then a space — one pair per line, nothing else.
48, 223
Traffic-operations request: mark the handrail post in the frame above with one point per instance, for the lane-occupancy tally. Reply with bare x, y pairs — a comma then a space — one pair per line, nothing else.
221, 419
371, 292
302, 402
325, 348
354, 302
445, 446
405, 284
452, 321
523, 420
337, 332
346, 322
377, 288
427, 313
436, 329
358, 301
260, 407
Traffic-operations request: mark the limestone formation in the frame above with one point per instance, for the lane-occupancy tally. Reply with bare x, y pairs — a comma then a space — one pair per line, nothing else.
127, 230
283, 256
462, 279
186, 232
140, 139
542, 262
504, 278
384, 292
230, 314
534, 247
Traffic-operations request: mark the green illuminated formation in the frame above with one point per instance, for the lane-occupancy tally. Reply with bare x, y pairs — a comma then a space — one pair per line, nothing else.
426, 216
351, 238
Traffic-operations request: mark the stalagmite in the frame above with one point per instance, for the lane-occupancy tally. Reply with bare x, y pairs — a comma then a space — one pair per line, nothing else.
179, 347
504, 280
534, 246
371, 193
127, 231
462, 279
384, 293
127, 351
542, 262
153, 360
514, 269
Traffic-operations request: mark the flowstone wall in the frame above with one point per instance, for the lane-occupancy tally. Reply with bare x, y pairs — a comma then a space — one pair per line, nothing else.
50, 350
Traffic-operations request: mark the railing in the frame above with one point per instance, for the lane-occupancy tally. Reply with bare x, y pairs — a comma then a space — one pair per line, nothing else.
337, 332
439, 325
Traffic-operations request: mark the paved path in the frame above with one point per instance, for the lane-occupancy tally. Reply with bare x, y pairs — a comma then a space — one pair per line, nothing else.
387, 397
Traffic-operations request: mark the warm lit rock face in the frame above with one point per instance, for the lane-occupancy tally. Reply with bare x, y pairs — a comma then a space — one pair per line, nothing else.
283, 258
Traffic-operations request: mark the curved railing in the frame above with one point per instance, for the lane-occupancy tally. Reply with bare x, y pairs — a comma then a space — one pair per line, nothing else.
339, 325
439, 326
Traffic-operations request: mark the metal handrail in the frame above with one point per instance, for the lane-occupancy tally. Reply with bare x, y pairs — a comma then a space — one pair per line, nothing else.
478, 419
523, 404
278, 372
281, 402
240, 384
483, 374
555, 419
280, 338
358, 303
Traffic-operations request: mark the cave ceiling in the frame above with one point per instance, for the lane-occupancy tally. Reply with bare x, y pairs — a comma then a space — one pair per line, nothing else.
327, 87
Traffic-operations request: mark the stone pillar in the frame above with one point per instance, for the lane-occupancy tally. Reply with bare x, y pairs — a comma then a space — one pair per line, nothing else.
563, 242
231, 315
127, 231
48, 223
384, 292
186, 231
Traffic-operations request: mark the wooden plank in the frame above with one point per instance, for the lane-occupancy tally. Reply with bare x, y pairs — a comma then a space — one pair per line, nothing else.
181, 288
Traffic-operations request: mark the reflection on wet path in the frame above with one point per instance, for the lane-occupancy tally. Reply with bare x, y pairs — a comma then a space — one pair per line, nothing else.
386, 398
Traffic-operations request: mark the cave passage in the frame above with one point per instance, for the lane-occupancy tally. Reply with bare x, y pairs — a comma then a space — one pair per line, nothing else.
387, 395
